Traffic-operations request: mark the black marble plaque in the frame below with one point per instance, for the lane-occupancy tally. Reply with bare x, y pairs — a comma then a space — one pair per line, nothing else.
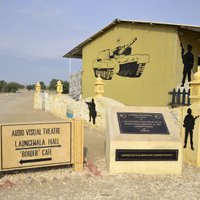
142, 123
146, 155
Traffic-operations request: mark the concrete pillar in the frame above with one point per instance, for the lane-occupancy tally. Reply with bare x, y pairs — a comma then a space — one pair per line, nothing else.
192, 155
59, 87
99, 87
37, 101
195, 88
38, 87
78, 146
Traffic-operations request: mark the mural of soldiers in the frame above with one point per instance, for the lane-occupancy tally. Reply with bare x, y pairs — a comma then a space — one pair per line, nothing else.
92, 110
188, 62
189, 122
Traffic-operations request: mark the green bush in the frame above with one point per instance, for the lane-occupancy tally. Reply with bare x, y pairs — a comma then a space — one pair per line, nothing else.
65, 87
53, 83
12, 87
2, 85
30, 87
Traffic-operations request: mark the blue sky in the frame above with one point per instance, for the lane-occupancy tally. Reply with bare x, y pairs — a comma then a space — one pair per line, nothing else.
35, 34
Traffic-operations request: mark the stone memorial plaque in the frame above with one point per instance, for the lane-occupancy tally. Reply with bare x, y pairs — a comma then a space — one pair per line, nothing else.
35, 145
142, 140
141, 123
146, 155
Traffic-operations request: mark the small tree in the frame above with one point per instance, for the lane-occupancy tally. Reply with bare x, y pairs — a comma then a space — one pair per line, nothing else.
52, 84
30, 87
43, 86
13, 87
2, 85
65, 87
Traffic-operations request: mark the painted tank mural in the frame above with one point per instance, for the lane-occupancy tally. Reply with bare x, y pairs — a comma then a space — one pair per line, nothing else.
120, 61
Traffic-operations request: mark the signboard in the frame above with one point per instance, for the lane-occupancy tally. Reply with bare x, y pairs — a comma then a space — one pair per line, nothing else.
142, 123
146, 155
35, 145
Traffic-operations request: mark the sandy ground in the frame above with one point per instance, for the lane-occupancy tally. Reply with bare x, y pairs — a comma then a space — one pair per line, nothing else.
94, 182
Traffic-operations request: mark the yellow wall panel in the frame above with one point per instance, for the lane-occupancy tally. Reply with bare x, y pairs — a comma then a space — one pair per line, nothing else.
158, 46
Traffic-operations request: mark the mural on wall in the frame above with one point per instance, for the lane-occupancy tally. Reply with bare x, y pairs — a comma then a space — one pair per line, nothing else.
92, 111
188, 124
120, 61
188, 62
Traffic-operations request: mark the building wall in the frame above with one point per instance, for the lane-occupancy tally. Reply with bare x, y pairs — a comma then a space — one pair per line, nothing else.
162, 71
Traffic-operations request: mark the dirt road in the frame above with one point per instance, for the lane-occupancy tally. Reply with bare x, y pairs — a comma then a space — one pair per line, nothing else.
18, 107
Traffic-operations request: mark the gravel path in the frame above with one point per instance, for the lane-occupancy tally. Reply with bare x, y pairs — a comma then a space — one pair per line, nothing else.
94, 182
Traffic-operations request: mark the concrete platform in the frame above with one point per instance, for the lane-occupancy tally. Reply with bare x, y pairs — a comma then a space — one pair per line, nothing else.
142, 140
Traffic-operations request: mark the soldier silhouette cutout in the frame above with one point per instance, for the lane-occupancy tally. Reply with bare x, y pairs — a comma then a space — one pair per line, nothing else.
188, 62
188, 124
92, 111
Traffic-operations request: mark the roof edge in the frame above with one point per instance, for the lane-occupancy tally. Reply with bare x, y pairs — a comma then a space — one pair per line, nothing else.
76, 52
71, 53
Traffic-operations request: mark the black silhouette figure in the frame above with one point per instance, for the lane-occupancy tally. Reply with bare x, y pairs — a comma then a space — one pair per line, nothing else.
189, 123
92, 111
188, 62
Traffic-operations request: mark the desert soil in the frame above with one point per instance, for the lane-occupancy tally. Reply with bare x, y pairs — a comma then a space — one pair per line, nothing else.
94, 182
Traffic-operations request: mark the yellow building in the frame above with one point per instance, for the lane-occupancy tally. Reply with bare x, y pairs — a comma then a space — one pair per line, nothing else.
140, 62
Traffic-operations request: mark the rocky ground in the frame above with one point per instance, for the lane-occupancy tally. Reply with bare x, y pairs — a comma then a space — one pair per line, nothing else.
94, 182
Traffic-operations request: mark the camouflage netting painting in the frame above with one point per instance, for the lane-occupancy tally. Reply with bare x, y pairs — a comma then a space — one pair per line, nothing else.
75, 85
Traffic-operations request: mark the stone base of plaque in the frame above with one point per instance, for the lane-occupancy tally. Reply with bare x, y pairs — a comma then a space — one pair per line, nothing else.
142, 152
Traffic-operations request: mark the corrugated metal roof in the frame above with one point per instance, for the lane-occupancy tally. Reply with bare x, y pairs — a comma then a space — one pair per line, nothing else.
76, 52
